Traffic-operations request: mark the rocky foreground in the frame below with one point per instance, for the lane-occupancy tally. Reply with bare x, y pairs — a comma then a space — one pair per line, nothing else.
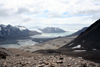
46, 61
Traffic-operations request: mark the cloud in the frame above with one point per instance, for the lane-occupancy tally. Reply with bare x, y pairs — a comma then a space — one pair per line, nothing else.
49, 12
27, 19
22, 10
3, 12
54, 15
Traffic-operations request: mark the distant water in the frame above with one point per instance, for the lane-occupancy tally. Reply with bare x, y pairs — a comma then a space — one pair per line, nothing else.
28, 42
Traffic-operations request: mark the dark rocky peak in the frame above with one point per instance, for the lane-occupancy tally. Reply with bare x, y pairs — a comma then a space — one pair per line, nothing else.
5, 27
93, 27
78, 32
89, 39
1, 25
8, 26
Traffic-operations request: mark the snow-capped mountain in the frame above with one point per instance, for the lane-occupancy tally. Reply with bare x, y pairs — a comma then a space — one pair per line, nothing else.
52, 30
8, 31
89, 39
21, 28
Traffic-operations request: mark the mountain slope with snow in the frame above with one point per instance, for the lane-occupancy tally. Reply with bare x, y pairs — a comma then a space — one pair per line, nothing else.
8, 31
52, 30
89, 39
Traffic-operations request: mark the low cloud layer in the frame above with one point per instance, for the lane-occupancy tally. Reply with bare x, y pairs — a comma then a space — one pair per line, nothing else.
32, 13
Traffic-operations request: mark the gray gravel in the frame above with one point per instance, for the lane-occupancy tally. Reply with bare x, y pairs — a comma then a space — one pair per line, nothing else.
46, 61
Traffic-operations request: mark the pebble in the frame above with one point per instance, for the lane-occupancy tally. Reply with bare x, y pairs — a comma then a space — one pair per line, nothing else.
46, 61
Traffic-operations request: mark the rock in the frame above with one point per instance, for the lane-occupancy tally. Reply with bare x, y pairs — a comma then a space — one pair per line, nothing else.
59, 62
61, 58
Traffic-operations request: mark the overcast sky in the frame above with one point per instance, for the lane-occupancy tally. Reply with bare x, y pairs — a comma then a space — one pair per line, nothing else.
36, 13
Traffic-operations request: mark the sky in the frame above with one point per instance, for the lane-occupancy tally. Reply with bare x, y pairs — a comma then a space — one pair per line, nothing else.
67, 14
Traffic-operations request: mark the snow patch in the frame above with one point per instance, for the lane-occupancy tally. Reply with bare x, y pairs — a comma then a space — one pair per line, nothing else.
55, 29
21, 28
79, 57
78, 46
70, 44
37, 30
94, 49
79, 50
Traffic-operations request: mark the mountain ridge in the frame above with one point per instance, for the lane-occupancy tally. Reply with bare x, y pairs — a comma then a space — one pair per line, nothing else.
52, 30
9, 31
78, 32
89, 39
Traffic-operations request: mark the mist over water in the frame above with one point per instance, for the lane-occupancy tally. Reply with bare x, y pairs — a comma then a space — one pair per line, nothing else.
52, 35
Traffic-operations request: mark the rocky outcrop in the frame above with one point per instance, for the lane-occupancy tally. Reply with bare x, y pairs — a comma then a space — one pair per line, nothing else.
4, 52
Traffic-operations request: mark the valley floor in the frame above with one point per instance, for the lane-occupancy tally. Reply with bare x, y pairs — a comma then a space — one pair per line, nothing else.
50, 44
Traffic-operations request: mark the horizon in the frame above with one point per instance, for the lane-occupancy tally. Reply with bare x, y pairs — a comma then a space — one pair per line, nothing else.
68, 27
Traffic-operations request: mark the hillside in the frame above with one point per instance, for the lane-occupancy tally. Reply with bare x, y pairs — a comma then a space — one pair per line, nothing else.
4, 52
89, 39
78, 32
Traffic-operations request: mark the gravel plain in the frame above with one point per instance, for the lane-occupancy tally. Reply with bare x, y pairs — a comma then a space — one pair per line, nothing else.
46, 61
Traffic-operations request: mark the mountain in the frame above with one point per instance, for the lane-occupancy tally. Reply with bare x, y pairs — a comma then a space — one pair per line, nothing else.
8, 31
52, 30
89, 39
78, 32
